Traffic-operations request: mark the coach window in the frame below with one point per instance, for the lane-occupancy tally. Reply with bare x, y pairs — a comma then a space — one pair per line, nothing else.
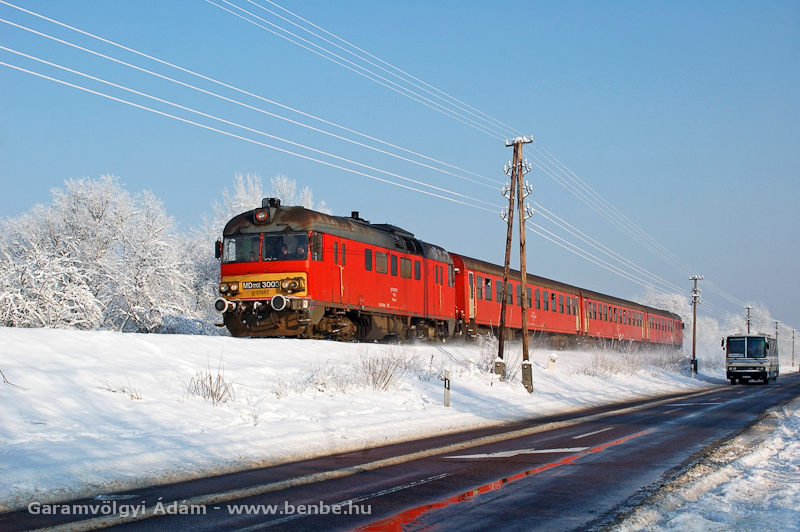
479, 282
545, 300
605, 313
416, 270
510, 294
538, 300
519, 295
488, 289
528, 297
471, 285
405, 268
498, 291
368, 259
561, 303
381, 262
394, 265
569, 306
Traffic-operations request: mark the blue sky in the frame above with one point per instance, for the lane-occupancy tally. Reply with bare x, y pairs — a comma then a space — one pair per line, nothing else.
685, 116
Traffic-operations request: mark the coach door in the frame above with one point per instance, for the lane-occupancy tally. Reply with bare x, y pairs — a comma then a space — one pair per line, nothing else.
473, 305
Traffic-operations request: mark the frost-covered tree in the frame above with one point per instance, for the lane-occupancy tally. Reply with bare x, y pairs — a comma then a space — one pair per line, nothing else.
96, 257
672, 302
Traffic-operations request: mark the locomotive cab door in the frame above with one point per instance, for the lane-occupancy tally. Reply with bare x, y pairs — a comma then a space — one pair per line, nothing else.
338, 257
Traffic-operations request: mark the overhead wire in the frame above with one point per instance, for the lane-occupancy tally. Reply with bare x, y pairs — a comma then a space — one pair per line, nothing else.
357, 69
441, 94
541, 163
233, 135
231, 87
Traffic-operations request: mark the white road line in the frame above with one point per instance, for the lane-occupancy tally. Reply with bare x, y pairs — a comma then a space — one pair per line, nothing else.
591, 433
348, 502
506, 454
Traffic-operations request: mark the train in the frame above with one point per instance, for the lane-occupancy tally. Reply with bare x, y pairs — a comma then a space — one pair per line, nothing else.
289, 271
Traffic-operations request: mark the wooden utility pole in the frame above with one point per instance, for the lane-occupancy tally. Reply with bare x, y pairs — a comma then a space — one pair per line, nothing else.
516, 170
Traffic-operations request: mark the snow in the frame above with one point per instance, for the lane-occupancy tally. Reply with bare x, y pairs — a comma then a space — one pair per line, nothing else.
85, 413
752, 483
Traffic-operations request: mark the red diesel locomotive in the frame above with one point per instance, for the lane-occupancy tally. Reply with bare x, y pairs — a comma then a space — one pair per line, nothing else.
294, 272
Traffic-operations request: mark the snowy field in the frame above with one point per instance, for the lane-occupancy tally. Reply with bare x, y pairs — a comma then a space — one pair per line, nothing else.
87, 413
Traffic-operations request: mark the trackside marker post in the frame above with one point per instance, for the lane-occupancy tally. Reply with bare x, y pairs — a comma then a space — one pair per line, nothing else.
446, 387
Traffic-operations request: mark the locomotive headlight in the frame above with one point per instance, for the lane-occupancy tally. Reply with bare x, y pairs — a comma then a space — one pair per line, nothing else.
290, 285
223, 287
234, 287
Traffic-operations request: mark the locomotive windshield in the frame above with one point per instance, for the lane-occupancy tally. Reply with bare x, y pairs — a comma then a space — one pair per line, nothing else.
746, 347
251, 248
286, 246
243, 248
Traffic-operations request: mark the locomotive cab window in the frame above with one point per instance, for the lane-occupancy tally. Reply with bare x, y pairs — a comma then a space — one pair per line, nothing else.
316, 246
285, 246
245, 248
405, 268
381, 262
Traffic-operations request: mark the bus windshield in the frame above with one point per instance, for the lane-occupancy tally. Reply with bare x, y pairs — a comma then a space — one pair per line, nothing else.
746, 348
755, 348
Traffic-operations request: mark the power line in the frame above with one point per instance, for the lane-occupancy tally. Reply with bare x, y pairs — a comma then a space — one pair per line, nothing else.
241, 91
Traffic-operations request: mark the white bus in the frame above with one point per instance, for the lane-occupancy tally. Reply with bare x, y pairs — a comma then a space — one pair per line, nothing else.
750, 357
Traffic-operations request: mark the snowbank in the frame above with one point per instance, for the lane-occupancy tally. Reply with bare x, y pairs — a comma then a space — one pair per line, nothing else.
86, 413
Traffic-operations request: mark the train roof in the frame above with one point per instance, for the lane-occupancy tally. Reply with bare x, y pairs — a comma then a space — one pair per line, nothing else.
292, 218
494, 269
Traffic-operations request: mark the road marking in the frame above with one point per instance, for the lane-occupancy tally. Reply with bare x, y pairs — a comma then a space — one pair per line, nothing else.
97, 523
696, 404
507, 454
397, 521
591, 433
387, 491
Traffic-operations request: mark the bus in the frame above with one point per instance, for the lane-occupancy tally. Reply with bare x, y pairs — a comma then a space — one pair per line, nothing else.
751, 357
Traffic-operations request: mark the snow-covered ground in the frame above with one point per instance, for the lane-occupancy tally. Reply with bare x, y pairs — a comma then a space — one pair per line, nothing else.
751, 483
87, 413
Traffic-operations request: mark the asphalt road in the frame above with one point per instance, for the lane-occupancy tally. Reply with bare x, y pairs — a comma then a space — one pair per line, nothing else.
569, 472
